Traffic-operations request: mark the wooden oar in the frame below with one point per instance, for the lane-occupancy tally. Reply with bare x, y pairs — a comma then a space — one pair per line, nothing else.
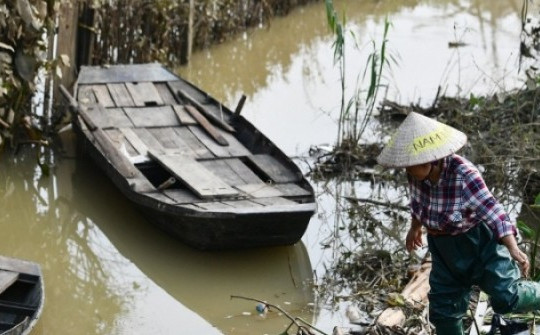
75, 109
211, 130
122, 164
203, 110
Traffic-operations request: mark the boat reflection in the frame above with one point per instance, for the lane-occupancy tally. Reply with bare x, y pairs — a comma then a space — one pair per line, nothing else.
202, 281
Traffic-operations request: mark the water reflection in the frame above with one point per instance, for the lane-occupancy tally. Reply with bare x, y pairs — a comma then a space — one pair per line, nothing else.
293, 90
38, 227
203, 282
109, 271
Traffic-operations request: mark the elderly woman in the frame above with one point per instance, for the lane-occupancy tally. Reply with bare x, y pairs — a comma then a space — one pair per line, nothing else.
470, 236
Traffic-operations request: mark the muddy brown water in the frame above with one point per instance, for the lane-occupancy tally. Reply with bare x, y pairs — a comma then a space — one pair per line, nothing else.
108, 271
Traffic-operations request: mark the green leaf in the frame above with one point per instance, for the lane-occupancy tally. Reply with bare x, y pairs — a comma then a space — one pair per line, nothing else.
537, 199
525, 230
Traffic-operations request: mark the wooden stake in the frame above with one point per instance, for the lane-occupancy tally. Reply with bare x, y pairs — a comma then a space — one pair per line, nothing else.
240, 105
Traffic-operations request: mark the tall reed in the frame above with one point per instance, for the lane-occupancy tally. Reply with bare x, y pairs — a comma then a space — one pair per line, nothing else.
356, 111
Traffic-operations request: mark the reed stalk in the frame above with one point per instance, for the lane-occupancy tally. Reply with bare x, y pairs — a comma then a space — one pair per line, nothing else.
357, 110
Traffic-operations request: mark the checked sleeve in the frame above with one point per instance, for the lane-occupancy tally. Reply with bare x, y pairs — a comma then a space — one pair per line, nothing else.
481, 206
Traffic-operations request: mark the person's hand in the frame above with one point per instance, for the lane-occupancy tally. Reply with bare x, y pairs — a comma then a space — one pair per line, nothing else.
414, 238
519, 256
523, 261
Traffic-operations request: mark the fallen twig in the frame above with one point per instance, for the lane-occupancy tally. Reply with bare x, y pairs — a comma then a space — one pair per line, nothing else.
294, 320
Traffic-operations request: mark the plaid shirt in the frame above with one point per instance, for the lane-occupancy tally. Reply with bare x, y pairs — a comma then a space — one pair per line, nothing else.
458, 201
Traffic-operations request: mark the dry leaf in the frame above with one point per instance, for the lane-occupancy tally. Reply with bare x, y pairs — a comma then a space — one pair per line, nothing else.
59, 72
65, 60
6, 46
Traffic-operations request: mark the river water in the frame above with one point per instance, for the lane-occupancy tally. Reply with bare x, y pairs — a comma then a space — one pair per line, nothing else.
108, 271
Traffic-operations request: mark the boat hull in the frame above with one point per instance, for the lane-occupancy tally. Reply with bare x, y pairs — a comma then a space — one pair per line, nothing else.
21, 302
244, 220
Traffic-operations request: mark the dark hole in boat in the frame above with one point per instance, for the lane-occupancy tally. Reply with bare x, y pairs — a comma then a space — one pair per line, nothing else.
6, 326
263, 176
150, 103
156, 174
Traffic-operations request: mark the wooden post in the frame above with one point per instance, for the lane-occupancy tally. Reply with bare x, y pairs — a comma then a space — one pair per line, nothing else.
85, 36
67, 42
187, 46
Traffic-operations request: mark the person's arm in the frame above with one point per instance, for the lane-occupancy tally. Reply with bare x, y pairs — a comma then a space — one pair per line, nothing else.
414, 236
486, 207
519, 256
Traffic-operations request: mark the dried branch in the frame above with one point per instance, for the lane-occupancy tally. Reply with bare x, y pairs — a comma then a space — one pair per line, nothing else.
294, 320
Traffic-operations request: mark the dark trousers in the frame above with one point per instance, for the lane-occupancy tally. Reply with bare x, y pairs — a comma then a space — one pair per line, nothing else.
471, 258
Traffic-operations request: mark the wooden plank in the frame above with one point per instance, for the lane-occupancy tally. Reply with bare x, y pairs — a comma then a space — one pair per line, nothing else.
18, 265
7, 278
120, 95
140, 184
185, 93
120, 142
234, 149
162, 116
214, 206
261, 190
221, 169
194, 175
250, 207
193, 142
165, 93
135, 141
125, 73
232, 171
415, 294
149, 140
247, 175
118, 118
275, 201
144, 94
292, 190
118, 159
171, 141
108, 118
158, 195
273, 169
184, 117
181, 196
243, 204
207, 126
103, 97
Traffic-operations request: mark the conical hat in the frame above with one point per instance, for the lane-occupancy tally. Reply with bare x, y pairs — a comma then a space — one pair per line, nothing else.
420, 140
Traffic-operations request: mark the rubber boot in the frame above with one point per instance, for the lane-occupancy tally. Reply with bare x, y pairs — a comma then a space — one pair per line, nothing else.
448, 327
528, 297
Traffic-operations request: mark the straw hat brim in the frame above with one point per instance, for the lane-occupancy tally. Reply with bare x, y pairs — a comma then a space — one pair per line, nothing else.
420, 140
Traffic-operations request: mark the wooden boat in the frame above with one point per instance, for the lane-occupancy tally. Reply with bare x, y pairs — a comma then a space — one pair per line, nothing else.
21, 295
194, 168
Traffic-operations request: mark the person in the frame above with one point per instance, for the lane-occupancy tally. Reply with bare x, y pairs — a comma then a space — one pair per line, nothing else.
471, 238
